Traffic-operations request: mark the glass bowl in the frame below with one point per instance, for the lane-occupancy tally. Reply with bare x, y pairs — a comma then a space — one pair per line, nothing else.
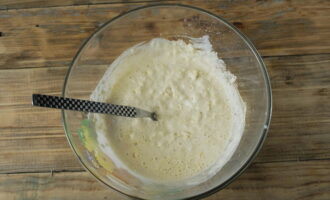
171, 22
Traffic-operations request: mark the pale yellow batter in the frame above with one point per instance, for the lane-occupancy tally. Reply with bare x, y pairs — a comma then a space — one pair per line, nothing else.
201, 114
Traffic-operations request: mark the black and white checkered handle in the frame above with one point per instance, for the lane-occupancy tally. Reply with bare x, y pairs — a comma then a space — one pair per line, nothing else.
88, 106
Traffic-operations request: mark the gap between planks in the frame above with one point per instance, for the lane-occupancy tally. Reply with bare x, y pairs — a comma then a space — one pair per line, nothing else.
263, 57
91, 4
83, 170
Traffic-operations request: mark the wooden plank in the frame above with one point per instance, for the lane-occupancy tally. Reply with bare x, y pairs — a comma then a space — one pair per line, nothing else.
41, 37
32, 139
19, 4
35, 149
301, 90
282, 181
73, 186
299, 72
285, 180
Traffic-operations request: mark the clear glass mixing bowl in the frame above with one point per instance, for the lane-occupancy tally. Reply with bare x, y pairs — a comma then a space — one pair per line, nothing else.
172, 22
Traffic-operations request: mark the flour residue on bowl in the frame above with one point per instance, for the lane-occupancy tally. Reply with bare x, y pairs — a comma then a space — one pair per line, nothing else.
201, 114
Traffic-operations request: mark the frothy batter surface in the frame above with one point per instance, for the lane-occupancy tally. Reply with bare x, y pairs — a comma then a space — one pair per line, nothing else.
201, 114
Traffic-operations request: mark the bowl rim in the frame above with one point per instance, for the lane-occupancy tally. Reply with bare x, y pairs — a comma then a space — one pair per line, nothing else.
242, 36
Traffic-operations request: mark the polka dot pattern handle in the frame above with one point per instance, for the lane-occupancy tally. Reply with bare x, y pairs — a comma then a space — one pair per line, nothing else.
84, 105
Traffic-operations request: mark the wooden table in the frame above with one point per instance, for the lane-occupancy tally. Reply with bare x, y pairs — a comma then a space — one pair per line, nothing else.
39, 38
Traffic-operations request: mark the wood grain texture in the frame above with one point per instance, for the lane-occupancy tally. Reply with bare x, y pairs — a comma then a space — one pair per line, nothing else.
19, 4
277, 181
281, 181
49, 37
301, 109
55, 186
299, 128
31, 138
